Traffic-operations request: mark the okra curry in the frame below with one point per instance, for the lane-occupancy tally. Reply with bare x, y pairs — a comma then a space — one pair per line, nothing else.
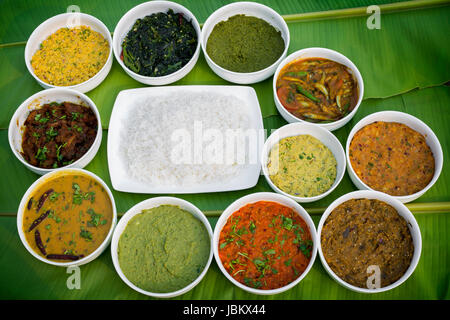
317, 89
302, 166
67, 217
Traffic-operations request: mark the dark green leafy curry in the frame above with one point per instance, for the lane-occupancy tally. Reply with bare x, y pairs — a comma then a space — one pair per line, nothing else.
159, 44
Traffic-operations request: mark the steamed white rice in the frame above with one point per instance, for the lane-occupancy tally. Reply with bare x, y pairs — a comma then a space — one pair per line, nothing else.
162, 145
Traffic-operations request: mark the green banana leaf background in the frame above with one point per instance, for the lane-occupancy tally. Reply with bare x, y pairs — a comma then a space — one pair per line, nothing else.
405, 66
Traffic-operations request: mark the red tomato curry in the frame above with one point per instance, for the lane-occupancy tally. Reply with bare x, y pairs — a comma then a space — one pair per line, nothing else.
265, 245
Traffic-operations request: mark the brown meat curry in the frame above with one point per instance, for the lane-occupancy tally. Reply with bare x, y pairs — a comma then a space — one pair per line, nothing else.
57, 134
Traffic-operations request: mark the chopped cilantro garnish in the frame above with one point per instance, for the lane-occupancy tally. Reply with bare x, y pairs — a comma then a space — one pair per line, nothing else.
86, 234
54, 196
75, 116
40, 155
51, 133
287, 222
252, 227
78, 195
95, 218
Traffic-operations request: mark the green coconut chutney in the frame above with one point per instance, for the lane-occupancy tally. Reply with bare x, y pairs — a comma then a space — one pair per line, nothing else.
302, 166
163, 249
244, 44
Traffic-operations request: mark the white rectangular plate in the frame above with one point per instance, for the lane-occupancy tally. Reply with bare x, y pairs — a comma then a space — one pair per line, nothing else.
122, 181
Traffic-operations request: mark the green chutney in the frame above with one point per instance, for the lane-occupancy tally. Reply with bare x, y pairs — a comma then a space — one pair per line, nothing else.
244, 44
163, 249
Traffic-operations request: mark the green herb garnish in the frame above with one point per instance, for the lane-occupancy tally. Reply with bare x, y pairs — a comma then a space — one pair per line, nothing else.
252, 227
270, 251
86, 234
51, 133
54, 196
79, 196
75, 116
41, 154
95, 218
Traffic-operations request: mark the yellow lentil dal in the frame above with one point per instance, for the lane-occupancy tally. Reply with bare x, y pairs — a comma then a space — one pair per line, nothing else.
70, 56
302, 166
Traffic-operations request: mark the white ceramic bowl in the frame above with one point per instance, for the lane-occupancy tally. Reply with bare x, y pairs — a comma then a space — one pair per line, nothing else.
402, 211
415, 124
301, 128
148, 204
250, 9
326, 54
140, 11
50, 26
252, 198
33, 187
16, 126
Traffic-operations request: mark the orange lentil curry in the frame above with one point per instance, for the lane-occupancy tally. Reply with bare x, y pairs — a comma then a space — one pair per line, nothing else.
392, 158
67, 217
265, 245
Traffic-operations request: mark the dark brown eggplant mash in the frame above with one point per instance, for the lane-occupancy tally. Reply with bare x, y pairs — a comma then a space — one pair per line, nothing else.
364, 232
57, 134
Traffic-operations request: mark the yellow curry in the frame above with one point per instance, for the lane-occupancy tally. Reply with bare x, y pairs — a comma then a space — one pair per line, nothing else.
302, 166
67, 217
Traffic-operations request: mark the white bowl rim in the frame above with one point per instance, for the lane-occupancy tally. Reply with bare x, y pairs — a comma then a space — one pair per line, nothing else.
431, 134
256, 5
153, 203
37, 95
42, 179
95, 76
194, 22
370, 194
356, 73
265, 196
313, 127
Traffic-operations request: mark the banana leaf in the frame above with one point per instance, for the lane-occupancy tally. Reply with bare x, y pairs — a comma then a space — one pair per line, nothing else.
404, 65
389, 59
424, 104
27, 278
19, 18
99, 280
